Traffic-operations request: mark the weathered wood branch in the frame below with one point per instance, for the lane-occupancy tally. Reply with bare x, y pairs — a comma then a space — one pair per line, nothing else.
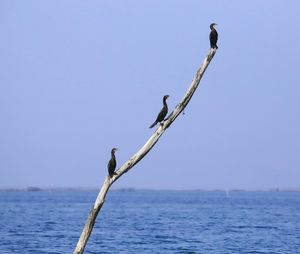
139, 155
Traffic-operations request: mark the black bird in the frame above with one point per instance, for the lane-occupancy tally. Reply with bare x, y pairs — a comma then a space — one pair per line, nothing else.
111, 166
213, 36
162, 114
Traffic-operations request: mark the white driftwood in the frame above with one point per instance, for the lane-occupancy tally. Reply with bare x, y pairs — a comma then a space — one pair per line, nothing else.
139, 155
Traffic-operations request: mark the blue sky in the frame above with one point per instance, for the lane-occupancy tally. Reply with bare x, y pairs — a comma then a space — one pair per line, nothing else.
80, 77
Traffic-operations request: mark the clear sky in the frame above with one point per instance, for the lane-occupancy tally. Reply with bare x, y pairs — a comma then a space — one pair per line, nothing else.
80, 77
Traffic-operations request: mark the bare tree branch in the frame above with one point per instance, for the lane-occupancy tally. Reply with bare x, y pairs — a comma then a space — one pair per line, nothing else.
140, 154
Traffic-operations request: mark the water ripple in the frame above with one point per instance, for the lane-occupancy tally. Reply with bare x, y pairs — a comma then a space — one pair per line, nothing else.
152, 222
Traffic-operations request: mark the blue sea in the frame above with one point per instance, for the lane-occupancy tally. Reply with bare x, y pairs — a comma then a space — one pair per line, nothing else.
152, 222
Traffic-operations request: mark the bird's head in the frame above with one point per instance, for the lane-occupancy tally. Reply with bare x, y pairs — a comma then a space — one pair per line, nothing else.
166, 97
114, 150
212, 25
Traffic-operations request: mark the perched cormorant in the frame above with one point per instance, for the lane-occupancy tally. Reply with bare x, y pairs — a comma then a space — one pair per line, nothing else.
111, 166
213, 36
162, 114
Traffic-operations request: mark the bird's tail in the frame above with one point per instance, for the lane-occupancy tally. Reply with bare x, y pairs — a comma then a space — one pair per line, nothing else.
152, 125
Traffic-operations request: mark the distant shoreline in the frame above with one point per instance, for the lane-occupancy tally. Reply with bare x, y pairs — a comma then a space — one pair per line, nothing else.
41, 189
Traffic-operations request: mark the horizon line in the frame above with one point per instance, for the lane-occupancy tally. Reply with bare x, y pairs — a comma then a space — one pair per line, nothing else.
36, 188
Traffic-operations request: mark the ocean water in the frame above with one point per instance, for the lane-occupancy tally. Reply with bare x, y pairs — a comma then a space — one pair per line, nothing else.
152, 222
